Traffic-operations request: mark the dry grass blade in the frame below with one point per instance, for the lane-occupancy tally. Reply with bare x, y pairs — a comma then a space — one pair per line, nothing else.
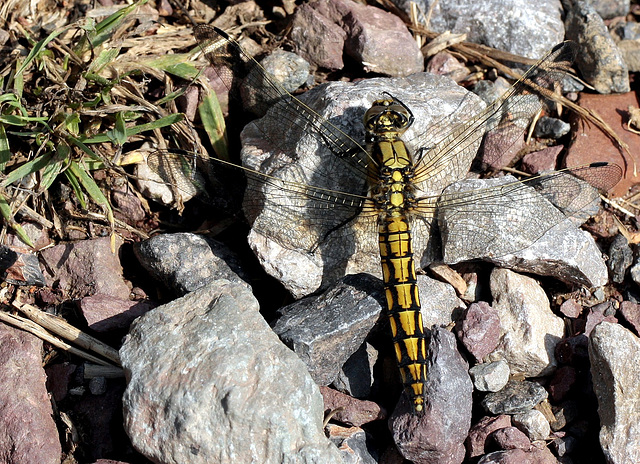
490, 56
33, 328
65, 330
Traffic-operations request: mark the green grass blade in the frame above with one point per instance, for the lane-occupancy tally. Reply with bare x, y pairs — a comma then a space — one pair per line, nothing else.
92, 189
77, 189
5, 151
157, 124
26, 169
6, 213
118, 135
213, 122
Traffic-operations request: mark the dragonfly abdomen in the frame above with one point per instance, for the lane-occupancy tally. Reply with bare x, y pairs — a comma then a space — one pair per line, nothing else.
403, 305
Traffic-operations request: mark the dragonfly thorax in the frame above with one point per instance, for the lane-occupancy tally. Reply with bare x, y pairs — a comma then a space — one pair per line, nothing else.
387, 118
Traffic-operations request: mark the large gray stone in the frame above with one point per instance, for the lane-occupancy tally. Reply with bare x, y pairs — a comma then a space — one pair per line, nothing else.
299, 252
524, 27
522, 230
615, 367
324, 331
209, 381
600, 61
437, 435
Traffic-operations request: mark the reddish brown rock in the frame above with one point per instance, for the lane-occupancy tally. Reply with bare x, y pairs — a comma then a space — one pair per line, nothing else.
104, 312
354, 411
571, 308
595, 316
58, 378
543, 160
510, 438
518, 456
592, 145
317, 38
631, 312
84, 268
374, 37
477, 439
479, 329
562, 381
27, 430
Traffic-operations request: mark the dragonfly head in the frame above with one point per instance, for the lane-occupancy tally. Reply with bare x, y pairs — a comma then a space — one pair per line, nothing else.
388, 115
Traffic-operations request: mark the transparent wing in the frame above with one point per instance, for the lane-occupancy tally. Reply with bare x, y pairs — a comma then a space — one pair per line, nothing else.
244, 77
475, 221
510, 115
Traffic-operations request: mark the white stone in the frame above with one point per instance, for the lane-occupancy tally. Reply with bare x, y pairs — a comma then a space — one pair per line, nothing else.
533, 424
529, 329
615, 367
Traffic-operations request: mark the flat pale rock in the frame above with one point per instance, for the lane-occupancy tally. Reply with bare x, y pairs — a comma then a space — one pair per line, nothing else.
209, 381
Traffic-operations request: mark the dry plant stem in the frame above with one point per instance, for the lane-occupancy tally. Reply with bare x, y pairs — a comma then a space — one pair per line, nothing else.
33, 328
108, 372
65, 330
489, 56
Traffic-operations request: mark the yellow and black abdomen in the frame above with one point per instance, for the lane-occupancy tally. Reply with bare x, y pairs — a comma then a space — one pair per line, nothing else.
403, 305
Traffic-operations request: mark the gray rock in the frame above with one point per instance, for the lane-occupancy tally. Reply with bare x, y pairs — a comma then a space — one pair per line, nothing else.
533, 424
630, 50
626, 30
486, 90
600, 61
515, 398
529, 329
289, 69
98, 385
352, 443
479, 329
19, 266
522, 27
294, 257
620, 258
356, 375
615, 367
608, 9
564, 445
634, 270
27, 430
210, 376
537, 239
351, 411
185, 262
437, 435
551, 128
491, 376
324, 331
440, 304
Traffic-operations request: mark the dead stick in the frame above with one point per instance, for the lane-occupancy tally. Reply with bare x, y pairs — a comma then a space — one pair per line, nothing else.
65, 330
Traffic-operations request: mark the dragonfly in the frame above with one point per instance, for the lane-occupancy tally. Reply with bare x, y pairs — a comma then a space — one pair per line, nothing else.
384, 190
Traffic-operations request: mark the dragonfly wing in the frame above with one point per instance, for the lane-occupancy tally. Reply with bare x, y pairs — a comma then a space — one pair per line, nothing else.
314, 164
492, 218
248, 81
510, 115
